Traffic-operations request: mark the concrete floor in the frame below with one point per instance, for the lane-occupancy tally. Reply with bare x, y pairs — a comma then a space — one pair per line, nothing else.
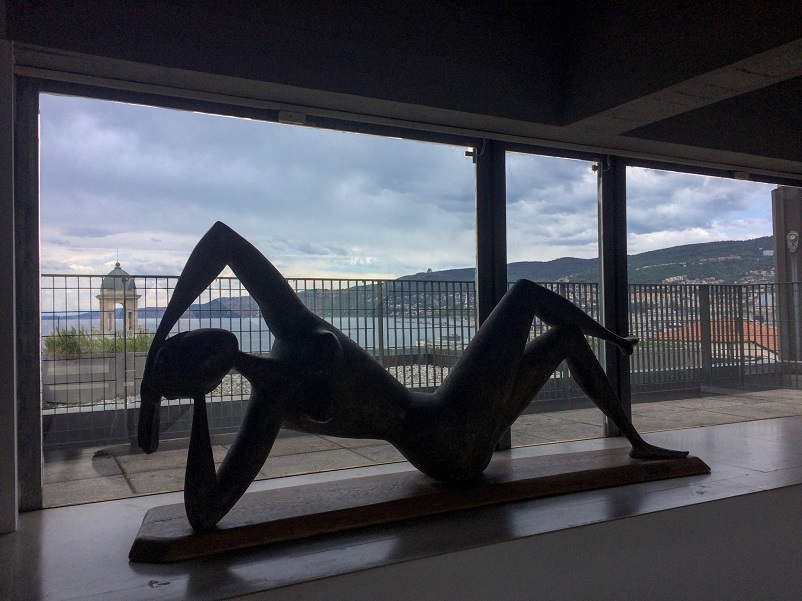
113, 472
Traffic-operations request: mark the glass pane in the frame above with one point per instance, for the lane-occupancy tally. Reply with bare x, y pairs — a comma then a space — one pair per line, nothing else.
705, 303
127, 191
552, 239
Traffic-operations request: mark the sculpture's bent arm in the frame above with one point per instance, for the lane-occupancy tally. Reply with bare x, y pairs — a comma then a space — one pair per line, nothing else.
210, 494
284, 313
192, 364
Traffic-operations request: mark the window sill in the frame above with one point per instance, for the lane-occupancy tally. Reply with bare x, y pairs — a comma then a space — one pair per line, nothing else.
81, 551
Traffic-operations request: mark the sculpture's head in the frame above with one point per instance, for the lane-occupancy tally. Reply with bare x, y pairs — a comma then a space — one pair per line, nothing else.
192, 363
183, 366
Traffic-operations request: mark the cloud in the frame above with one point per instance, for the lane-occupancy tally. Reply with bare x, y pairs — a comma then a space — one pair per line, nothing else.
668, 209
144, 184
551, 208
151, 181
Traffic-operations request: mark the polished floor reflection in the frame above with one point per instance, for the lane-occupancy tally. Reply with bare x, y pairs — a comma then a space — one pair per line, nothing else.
80, 552
104, 473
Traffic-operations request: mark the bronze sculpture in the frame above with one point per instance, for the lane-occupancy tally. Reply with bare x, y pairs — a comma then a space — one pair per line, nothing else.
318, 380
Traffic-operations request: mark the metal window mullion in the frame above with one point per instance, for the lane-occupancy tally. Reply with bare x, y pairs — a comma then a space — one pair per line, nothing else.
28, 317
9, 456
491, 234
613, 277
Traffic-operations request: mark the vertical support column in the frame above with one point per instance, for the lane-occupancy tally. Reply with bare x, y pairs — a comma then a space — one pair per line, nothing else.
8, 394
786, 207
28, 310
491, 235
491, 228
614, 293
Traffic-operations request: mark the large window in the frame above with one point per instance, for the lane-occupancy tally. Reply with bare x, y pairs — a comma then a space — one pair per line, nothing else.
364, 227
705, 302
552, 239
377, 234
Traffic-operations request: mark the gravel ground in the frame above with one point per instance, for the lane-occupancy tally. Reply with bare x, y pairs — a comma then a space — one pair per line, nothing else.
414, 376
235, 386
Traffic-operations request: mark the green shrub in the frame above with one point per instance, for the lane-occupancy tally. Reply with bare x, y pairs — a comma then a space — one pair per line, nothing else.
74, 343
68, 342
138, 342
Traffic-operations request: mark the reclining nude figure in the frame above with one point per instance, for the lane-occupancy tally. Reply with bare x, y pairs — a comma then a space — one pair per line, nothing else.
318, 380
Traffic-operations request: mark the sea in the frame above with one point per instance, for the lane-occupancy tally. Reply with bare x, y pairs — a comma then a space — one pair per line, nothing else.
404, 334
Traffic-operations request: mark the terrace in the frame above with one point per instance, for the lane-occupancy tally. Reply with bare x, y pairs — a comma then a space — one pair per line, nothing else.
708, 355
103, 472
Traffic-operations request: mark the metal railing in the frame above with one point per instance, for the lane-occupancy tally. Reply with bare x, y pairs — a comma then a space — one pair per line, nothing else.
698, 337
691, 337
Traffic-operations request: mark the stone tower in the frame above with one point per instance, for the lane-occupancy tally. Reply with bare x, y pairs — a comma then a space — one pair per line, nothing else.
118, 288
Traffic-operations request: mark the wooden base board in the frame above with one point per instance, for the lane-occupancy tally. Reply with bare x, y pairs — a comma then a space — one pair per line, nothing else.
292, 513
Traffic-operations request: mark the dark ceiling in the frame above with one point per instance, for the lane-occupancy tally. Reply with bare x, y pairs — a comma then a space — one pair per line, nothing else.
690, 81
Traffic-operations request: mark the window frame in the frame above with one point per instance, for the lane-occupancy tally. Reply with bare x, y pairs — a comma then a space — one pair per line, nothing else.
138, 84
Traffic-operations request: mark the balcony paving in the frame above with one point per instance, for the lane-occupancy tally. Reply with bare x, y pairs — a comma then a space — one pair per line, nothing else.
112, 472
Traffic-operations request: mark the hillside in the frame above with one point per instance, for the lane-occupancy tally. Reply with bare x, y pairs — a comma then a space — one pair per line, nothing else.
726, 262
730, 262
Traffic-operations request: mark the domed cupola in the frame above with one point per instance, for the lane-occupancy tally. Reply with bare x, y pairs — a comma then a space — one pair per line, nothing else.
118, 288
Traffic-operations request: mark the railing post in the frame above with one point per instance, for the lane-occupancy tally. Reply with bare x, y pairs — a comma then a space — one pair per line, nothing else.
126, 425
740, 337
705, 335
380, 321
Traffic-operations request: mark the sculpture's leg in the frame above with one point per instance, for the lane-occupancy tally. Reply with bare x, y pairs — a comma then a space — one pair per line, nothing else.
554, 310
590, 377
499, 372
209, 495
487, 369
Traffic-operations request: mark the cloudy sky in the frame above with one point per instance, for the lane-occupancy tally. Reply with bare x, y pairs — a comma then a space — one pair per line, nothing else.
144, 184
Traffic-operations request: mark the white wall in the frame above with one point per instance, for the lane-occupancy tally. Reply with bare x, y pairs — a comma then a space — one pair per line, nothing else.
8, 421
745, 547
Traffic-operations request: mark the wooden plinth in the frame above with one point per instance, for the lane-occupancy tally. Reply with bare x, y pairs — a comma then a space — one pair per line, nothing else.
298, 512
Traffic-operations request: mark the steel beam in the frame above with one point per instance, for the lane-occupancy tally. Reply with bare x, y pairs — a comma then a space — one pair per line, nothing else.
614, 284
491, 234
28, 311
8, 395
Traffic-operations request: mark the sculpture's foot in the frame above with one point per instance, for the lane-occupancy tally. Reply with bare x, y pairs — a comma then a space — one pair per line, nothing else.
649, 451
626, 344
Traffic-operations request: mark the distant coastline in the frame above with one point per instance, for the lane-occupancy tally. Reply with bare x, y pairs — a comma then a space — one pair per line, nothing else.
723, 262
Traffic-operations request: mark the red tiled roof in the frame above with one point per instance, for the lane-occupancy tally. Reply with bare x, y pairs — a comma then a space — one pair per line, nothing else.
724, 331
